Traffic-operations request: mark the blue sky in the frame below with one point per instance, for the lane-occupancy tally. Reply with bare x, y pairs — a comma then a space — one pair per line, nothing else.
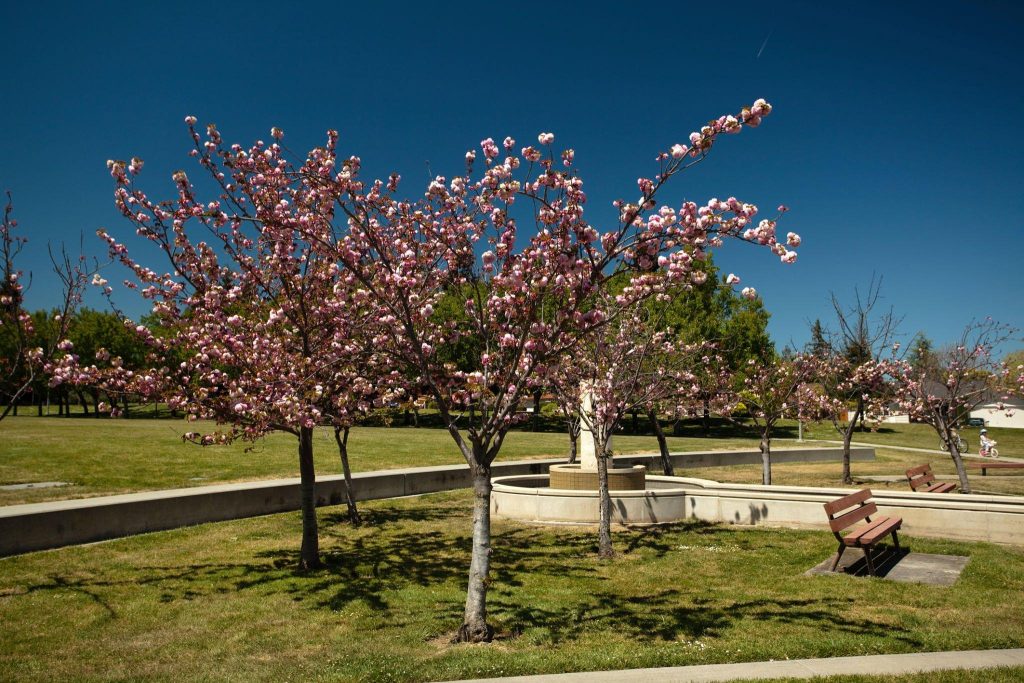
895, 137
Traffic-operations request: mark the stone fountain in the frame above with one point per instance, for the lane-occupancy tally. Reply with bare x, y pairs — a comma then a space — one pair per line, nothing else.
568, 494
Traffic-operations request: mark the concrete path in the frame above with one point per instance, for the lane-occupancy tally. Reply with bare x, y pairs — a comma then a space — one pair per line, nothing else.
871, 665
858, 444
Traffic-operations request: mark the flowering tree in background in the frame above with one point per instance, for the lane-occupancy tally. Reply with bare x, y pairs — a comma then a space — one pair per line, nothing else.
956, 381
772, 391
710, 392
21, 362
853, 363
264, 329
631, 362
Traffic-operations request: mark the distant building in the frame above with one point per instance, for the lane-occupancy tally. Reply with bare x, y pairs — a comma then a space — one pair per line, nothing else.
994, 416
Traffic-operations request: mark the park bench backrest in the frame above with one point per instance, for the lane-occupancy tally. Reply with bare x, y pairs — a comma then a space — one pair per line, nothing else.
920, 476
840, 514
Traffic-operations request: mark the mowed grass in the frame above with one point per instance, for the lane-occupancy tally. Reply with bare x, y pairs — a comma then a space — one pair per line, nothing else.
102, 457
106, 456
224, 602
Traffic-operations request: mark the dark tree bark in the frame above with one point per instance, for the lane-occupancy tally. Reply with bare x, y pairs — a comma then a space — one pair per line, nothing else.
95, 393
574, 440
666, 458
475, 628
848, 438
341, 436
705, 421
946, 430
536, 410
309, 556
84, 402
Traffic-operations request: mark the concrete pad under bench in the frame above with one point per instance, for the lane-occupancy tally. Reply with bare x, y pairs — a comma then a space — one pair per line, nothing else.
905, 567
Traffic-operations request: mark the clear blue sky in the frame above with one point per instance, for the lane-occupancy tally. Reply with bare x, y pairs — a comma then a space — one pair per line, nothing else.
895, 139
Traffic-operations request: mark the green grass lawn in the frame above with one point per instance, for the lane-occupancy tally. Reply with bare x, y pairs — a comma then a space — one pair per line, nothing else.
102, 457
224, 602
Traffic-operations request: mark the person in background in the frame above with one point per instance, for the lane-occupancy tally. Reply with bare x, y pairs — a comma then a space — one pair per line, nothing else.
986, 444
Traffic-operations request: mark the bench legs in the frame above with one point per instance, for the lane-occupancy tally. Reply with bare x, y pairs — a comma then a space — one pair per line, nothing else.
839, 554
867, 554
867, 557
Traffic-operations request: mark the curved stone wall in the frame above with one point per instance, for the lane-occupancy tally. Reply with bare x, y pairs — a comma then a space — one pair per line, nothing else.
997, 519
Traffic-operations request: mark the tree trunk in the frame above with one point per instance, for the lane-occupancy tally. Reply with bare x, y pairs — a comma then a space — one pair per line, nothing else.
574, 440
95, 393
39, 408
847, 438
475, 628
406, 417
124, 402
766, 456
666, 459
309, 556
341, 436
705, 421
635, 427
604, 525
81, 399
536, 410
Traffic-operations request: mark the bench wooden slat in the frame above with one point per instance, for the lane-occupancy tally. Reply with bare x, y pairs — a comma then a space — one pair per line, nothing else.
847, 501
847, 519
922, 479
854, 537
888, 525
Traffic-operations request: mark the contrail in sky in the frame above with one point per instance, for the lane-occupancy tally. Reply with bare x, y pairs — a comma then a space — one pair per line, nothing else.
764, 43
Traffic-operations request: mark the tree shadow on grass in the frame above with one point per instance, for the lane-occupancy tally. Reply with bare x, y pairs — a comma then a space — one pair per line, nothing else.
671, 615
376, 565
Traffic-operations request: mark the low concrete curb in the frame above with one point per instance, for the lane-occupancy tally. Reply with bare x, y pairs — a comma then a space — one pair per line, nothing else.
38, 526
871, 665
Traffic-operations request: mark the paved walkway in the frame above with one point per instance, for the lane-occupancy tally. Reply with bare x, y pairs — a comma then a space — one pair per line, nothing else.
857, 444
871, 665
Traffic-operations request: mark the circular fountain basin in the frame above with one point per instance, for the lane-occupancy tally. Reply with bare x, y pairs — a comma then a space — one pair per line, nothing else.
531, 498
575, 478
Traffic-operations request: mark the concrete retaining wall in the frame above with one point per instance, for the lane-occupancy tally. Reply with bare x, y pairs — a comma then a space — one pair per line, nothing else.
997, 519
38, 526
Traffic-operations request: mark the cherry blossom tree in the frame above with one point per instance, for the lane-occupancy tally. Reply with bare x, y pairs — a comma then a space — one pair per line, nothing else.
302, 258
958, 380
774, 390
853, 361
844, 382
21, 362
264, 327
631, 362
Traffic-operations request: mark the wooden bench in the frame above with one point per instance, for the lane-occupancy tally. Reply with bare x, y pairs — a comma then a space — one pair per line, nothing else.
845, 512
921, 479
995, 466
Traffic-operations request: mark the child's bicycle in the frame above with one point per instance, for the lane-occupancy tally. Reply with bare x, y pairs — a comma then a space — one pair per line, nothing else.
991, 452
